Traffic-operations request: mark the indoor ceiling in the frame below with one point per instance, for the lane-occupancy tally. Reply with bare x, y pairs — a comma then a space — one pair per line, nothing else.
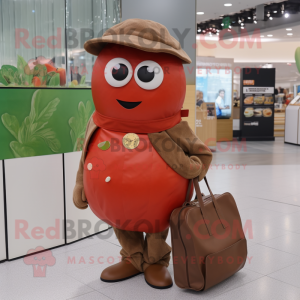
274, 35
213, 9
282, 34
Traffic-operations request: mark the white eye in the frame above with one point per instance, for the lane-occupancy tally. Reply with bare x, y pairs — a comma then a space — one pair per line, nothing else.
149, 75
118, 72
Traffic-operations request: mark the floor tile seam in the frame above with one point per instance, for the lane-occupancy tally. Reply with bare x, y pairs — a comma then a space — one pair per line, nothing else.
242, 284
283, 282
297, 255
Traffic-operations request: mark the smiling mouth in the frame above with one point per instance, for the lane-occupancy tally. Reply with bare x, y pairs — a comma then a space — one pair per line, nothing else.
129, 105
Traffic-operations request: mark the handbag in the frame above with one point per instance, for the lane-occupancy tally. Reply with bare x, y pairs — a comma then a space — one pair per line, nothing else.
208, 241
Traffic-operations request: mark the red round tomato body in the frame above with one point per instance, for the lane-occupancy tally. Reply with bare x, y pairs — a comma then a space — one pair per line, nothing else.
134, 189
142, 190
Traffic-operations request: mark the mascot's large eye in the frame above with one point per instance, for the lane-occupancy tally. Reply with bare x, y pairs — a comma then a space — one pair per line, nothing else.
118, 72
149, 75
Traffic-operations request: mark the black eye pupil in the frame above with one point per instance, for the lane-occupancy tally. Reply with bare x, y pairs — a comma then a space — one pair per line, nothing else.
144, 75
120, 72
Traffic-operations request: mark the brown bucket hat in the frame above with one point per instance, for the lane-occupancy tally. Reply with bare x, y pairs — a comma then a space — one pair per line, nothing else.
144, 35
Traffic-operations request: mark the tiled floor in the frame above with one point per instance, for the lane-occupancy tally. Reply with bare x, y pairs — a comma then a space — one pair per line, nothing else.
264, 179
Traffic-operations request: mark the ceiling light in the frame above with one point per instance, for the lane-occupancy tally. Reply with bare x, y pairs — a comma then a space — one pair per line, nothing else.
249, 18
242, 24
286, 15
289, 29
289, 34
275, 11
199, 30
270, 35
228, 4
200, 13
270, 18
255, 22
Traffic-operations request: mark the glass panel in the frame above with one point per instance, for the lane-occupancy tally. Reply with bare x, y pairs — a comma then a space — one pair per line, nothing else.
33, 42
86, 20
31, 35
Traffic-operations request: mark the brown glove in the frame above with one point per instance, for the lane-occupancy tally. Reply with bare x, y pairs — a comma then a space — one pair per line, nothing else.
79, 197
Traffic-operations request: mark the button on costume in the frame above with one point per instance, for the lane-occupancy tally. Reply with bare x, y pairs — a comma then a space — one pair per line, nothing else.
138, 154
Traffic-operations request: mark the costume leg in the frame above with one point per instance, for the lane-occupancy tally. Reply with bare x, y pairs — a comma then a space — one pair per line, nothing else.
156, 250
132, 243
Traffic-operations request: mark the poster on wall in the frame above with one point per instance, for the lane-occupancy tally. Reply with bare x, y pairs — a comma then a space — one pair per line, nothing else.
214, 84
257, 104
36, 122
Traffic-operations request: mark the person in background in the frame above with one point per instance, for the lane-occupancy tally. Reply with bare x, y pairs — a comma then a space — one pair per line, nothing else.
220, 103
199, 98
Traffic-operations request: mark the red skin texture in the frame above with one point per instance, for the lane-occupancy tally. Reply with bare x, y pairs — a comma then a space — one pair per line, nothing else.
142, 186
163, 102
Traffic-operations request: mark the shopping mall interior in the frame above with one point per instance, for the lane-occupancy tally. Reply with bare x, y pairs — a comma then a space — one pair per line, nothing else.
236, 85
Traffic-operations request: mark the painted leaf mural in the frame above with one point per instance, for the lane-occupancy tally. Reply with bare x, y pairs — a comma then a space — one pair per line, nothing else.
37, 122
78, 124
32, 130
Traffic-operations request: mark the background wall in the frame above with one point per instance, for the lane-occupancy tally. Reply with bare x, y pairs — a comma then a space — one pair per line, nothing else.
279, 53
2, 223
177, 16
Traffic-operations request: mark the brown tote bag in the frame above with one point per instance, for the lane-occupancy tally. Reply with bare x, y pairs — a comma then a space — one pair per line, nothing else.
208, 241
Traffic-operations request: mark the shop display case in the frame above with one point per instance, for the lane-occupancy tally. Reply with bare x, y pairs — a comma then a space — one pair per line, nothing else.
45, 104
292, 122
214, 84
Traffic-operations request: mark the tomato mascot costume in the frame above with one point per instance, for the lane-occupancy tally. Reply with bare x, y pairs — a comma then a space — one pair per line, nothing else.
138, 154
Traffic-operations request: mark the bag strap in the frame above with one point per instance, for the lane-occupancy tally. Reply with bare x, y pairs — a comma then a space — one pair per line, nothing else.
201, 203
218, 211
187, 197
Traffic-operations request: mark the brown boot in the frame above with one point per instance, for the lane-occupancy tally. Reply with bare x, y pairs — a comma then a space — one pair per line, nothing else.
119, 272
158, 277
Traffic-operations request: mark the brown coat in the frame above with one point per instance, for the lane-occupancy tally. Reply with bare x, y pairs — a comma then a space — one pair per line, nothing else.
179, 147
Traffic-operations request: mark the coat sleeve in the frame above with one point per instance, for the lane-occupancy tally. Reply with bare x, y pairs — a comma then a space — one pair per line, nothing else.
183, 151
79, 197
